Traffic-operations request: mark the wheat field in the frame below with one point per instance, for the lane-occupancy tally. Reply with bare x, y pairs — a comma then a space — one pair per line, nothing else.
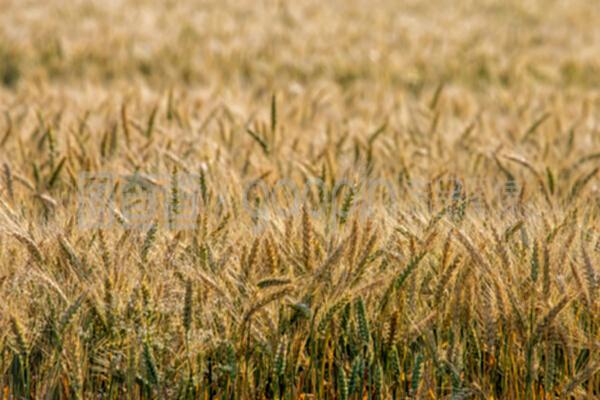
357, 199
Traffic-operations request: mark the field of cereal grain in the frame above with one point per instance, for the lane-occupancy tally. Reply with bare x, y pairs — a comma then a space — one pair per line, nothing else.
268, 199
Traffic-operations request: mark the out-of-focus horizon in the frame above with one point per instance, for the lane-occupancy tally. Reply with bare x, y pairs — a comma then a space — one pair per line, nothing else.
258, 44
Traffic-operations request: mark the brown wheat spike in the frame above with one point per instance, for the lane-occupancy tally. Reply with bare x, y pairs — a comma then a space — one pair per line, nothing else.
352, 242
188, 307
501, 250
444, 278
252, 256
174, 205
549, 318
475, 255
330, 262
8, 181
270, 256
17, 331
31, 246
590, 274
171, 249
263, 302
10, 213
109, 302
307, 239
453, 305
273, 281
418, 328
467, 305
76, 372
393, 328
363, 260
565, 248
581, 377
243, 258
537, 175
199, 232
72, 257
289, 229
332, 310
446, 251
546, 271
583, 290
488, 315
104, 252
500, 294
368, 227
518, 317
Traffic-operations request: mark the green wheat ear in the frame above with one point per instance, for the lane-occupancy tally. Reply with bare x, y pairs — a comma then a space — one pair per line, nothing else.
17, 331
109, 305
150, 365
378, 380
342, 384
174, 205
203, 187
148, 242
273, 114
280, 359
33, 249
363, 322
347, 205
394, 365
307, 239
330, 313
70, 312
355, 385
8, 180
535, 263
151, 122
261, 142
188, 307
416, 374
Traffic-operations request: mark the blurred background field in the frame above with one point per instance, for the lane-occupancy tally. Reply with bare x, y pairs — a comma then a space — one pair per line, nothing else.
251, 45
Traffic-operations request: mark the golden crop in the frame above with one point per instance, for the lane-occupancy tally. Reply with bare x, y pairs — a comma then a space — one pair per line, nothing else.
354, 199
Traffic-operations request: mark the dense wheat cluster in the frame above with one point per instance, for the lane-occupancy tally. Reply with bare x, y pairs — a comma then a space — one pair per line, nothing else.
357, 199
